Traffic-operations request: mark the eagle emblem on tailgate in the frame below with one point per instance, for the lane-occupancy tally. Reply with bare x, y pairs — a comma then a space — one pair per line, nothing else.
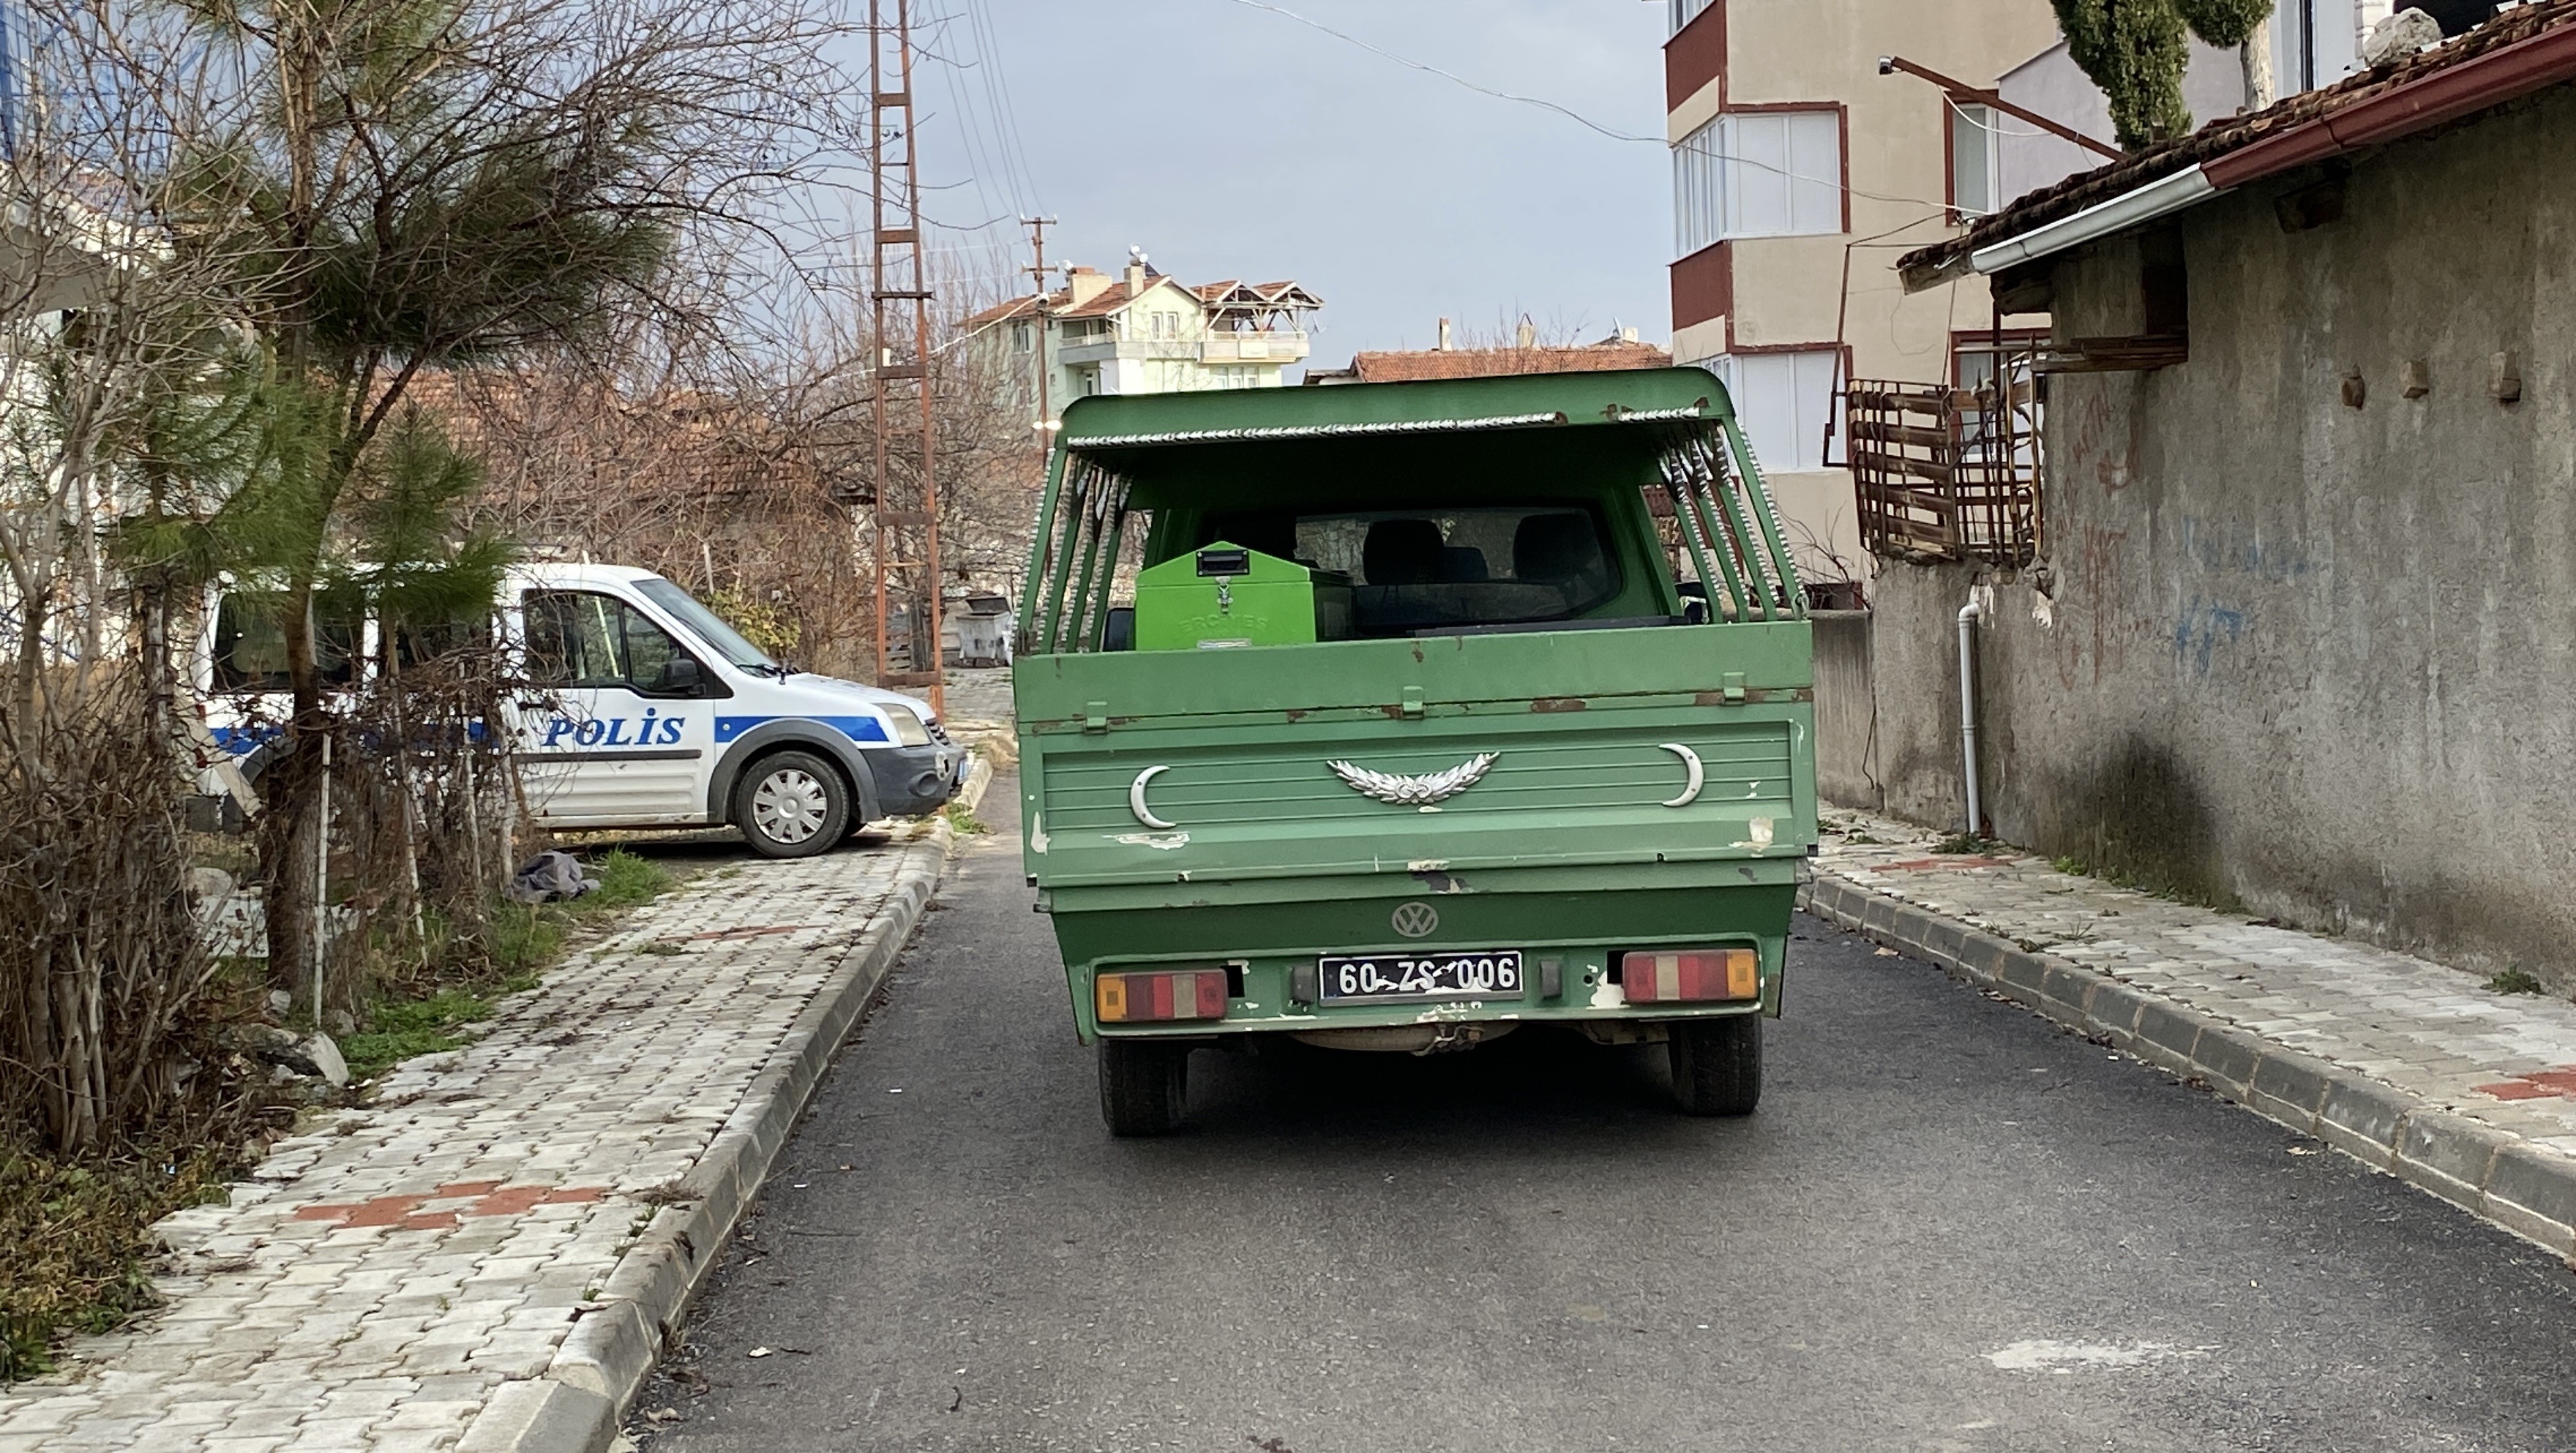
1421, 791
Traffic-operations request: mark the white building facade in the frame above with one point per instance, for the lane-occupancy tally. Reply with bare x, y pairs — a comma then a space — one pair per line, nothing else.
1143, 332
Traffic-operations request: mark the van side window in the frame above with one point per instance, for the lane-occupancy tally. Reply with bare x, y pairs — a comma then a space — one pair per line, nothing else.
579, 638
250, 646
422, 644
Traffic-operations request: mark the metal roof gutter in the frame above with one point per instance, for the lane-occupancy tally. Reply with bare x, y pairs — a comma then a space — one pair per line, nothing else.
2162, 197
2481, 83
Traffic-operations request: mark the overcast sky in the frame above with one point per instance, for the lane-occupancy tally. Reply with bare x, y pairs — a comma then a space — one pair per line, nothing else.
1230, 141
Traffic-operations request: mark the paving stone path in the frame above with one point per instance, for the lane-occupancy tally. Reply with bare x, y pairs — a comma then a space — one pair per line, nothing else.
2437, 1033
379, 1276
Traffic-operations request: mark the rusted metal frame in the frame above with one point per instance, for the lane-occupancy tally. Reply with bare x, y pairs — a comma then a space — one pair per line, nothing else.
1093, 527
1095, 520
1766, 515
1108, 516
1079, 475
1091, 624
1675, 468
1698, 480
1730, 552
1718, 483
1030, 621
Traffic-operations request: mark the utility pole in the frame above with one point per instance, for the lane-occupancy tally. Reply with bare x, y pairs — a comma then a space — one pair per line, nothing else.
1038, 269
907, 508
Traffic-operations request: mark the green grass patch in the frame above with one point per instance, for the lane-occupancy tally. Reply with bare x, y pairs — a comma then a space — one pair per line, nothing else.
962, 820
1966, 845
396, 1031
2515, 981
77, 1243
520, 942
625, 881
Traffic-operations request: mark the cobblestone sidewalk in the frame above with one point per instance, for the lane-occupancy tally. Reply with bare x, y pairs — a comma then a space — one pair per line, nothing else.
2451, 1049
379, 1280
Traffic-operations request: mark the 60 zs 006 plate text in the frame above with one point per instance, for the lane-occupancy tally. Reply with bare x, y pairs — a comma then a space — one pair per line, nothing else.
1481, 974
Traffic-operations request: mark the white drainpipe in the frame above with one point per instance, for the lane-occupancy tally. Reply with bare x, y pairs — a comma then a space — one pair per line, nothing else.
1969, 615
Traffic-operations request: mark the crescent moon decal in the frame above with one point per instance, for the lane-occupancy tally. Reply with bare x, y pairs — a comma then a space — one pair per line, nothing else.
1145, 815
1690, 762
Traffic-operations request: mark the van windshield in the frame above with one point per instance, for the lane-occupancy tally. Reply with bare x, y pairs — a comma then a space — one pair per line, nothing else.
706, 625
1448, 566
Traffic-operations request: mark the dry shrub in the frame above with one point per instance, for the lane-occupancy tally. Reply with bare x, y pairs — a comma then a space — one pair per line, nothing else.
423, 806
122, 1099
102, 967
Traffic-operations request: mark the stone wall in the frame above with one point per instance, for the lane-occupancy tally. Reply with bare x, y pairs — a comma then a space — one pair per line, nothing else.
2312, 659
1846, 710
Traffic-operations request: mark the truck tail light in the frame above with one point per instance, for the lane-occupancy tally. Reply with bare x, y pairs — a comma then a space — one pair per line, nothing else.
1692, 975
1170, 994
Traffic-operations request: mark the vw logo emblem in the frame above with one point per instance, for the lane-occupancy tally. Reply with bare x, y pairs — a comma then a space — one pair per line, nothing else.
1415, 920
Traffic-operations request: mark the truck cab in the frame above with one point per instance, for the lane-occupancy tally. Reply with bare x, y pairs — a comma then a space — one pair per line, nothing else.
1440, 711
636, 707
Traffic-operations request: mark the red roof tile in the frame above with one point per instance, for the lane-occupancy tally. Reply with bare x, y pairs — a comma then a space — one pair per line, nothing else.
1413, 365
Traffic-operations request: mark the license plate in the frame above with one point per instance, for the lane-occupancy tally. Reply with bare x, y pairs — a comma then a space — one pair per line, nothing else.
1479, 974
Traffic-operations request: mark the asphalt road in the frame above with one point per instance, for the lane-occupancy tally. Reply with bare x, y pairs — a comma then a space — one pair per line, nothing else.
1950, 1226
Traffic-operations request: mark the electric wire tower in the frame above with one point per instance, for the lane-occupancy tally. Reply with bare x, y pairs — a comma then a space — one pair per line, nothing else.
906, 495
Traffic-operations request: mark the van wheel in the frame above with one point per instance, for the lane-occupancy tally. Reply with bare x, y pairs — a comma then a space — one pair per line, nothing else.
791, 805
1144, 1086
1717, 1064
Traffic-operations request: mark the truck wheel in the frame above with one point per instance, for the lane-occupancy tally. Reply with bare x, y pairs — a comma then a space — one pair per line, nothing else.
1144, 1086
1717, 1064
791, 805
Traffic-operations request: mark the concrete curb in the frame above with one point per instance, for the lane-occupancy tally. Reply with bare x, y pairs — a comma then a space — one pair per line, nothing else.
2526, 1189
579, 1404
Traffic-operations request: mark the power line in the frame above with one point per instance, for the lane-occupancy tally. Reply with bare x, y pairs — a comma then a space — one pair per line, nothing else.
1570, 114
1576, 116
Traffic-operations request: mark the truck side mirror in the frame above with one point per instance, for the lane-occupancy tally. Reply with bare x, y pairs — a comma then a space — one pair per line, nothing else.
1118, 632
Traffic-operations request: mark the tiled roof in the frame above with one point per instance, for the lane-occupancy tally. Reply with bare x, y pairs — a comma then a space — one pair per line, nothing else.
2234, 133
1413, 365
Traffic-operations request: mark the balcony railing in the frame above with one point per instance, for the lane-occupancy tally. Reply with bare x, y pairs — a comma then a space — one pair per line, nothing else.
1944, 473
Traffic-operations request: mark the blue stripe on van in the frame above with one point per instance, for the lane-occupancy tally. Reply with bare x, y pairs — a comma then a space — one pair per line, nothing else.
856, 728
242, 741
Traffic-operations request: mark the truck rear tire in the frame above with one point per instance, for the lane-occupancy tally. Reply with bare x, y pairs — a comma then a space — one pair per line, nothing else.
791, 805
1717, 1064
1144, 1086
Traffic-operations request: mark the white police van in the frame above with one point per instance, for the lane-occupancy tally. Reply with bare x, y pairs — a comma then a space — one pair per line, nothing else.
646, 710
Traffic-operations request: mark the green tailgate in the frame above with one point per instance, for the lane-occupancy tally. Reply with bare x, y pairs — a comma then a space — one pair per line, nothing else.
1577, 724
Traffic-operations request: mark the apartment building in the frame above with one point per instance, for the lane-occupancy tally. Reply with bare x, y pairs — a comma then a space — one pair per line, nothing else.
1814, 141
1799, 172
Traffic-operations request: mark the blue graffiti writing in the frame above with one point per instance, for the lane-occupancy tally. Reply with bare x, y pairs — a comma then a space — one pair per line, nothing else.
2225, 548
2201, 629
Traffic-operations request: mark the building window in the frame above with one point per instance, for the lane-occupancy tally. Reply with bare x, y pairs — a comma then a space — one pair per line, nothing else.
1758, 174
1785, 401
1972, 162
1686, 11
1021, 337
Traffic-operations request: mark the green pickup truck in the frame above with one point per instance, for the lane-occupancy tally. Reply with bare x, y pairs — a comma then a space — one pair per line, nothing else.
1413, 735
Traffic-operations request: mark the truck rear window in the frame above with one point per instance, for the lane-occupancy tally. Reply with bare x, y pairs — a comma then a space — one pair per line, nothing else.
1411, 570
